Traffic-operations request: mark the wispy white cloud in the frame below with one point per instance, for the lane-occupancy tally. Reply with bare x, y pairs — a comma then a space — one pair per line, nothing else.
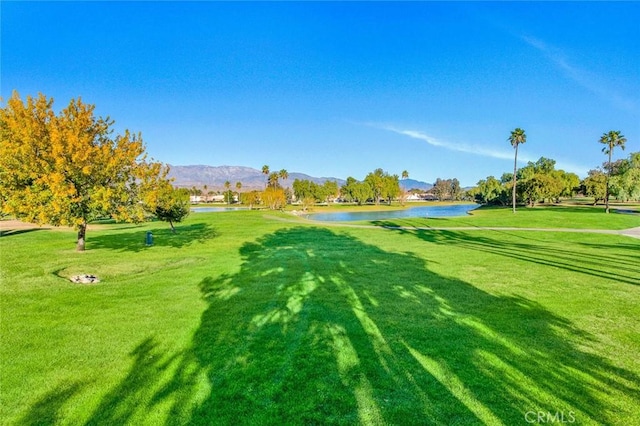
588, 80
506, 154
452, 146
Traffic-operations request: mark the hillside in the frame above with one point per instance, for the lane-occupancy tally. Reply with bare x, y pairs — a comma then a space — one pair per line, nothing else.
408, 184
215, 177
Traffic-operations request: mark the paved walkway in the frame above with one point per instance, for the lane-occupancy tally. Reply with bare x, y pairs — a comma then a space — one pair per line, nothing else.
633, 232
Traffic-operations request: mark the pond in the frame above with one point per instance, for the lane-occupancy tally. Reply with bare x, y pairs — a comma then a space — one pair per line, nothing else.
215, 209
422, 211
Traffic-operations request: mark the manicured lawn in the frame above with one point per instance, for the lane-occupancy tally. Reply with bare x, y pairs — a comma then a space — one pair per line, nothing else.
561, 216
241, 319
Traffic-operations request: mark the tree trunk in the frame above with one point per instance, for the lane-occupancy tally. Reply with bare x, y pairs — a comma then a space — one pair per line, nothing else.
82, 231
606, 194
515, 166
173, 229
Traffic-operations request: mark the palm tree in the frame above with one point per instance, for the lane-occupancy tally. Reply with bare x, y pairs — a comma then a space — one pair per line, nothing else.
265, 171
404, 194
517, 137
283, 174
610, 140
238, 187
272, 179
227, 185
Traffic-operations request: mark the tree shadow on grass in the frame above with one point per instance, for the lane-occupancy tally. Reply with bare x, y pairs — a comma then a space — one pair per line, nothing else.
582, 257
11, 232
133, 399
318, 327
47, 410
162, 237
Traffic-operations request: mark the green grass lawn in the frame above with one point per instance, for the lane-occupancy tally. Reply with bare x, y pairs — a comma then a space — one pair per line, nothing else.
554, 216
241, 319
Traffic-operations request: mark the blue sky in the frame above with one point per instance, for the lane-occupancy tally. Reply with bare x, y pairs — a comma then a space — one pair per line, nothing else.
339, 89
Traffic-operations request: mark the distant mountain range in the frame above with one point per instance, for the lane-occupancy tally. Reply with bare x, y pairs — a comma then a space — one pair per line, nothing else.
215, 177
408, 184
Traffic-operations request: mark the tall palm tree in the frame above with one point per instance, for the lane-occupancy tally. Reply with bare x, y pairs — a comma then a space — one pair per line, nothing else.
517, 137
265, 171
227, 185
611, 140
405, 174
238, 187
283, 174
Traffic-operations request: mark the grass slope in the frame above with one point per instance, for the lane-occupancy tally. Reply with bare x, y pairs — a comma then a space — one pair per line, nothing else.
238, 319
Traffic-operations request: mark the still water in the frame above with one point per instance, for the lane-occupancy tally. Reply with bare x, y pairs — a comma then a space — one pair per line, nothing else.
215, 209
422, 211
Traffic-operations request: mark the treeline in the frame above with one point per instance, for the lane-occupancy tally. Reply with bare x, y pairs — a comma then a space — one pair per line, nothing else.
537, 182
378, 186
540, 182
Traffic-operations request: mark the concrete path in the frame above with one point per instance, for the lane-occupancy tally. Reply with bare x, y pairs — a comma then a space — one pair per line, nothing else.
633, 232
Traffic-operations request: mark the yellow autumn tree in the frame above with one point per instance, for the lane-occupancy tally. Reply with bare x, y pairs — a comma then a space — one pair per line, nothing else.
160, 198
274, 198
67, 169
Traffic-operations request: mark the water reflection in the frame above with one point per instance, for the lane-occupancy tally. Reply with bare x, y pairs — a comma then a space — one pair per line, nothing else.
215, 209
422, 211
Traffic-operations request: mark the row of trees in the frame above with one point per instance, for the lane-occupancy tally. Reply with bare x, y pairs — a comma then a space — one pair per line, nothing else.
537, 182
69, 169
540, 181
377, 185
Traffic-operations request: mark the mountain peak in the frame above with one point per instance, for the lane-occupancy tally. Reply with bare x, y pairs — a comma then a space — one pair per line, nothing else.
216, 176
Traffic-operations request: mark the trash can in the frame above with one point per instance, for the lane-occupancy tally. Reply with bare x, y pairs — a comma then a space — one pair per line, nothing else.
149, 239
